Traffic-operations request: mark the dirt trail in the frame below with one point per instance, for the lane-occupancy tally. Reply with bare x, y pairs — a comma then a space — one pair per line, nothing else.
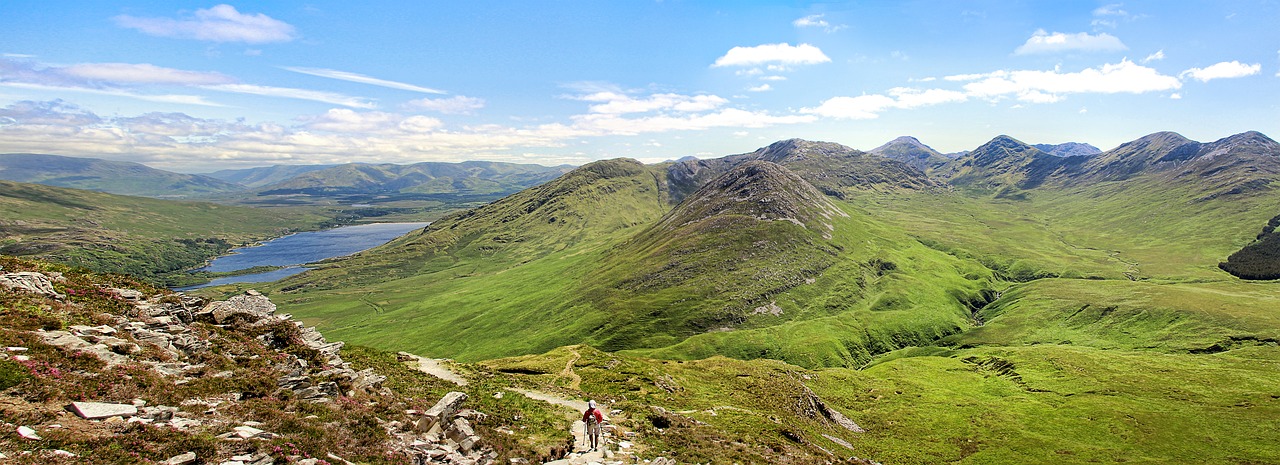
581, 454
575, 381
433, 367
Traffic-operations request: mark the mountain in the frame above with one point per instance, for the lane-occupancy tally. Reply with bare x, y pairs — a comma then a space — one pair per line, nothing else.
145, 237
1232, 165
716, 258
911, 151
470, 177
116, 177
262, 176
1069, 149
833, 168
1007, 164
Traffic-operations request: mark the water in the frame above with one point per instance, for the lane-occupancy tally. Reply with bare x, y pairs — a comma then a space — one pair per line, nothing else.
300, 248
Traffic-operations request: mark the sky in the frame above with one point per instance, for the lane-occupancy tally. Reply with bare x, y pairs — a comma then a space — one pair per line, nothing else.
202, 86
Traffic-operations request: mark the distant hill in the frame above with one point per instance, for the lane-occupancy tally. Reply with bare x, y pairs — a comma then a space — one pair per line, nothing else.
1068, 149
911, 151
261, 176
145, 237
469, 177
116, 177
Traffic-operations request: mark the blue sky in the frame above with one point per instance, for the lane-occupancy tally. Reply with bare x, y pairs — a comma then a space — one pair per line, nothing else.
192, 86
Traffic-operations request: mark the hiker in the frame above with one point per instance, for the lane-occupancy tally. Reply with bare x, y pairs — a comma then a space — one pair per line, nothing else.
593, 418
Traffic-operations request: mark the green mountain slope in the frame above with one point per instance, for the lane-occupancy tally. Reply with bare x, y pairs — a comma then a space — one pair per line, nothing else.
140, 236
116, 177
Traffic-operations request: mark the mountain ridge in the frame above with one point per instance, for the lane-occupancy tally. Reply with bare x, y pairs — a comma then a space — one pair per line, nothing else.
116, 177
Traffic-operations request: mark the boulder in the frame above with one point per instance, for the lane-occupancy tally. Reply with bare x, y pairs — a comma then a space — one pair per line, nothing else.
30, 282
100, 410
253, 305
442, 411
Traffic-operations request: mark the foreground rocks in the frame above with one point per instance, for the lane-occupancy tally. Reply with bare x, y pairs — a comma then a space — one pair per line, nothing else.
172, 336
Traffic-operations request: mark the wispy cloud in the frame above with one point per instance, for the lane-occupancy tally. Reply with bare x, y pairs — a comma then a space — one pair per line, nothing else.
221, 23
760, 88
1223, 70
158, 98
613, 102
783, 54
1159, 55
299, 94
1042, 42
458, 105
363, 79
142, 73
816, 21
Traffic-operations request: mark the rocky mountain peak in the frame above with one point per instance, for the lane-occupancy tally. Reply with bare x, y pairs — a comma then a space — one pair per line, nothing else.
759, 189
794, 149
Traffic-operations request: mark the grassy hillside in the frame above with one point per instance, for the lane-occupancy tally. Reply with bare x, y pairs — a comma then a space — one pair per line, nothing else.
140, 236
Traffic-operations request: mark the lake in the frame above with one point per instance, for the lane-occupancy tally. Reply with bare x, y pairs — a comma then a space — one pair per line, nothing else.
300, 248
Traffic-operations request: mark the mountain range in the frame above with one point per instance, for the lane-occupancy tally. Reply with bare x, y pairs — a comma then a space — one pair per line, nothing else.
1006, 305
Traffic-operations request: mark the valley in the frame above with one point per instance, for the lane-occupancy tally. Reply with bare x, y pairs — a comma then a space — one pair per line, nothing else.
1004, 306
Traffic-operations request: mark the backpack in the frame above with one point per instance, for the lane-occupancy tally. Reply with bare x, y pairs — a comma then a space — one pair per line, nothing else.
591, 417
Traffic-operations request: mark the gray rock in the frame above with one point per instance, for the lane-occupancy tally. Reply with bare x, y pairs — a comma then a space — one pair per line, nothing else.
255, 307
30, 282
99, 410
443, 410
184, 459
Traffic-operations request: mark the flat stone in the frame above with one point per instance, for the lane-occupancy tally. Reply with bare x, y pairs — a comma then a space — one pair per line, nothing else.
99, 410
184, 459
247, 432
27, 433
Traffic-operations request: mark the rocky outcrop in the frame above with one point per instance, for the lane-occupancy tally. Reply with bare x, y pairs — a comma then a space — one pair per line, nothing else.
27, 281
173, 335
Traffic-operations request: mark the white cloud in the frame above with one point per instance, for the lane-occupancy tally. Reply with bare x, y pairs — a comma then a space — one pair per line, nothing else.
773, 78
619, 103
1025, 86
860, 107
1159, 55
1044, 42
1038, 86
300, 94
1175, 96
913, 98
143, 73
458, 105
16, 55
221, 23
360, 78
1223, 70
784, 53
760, 88
870, 106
